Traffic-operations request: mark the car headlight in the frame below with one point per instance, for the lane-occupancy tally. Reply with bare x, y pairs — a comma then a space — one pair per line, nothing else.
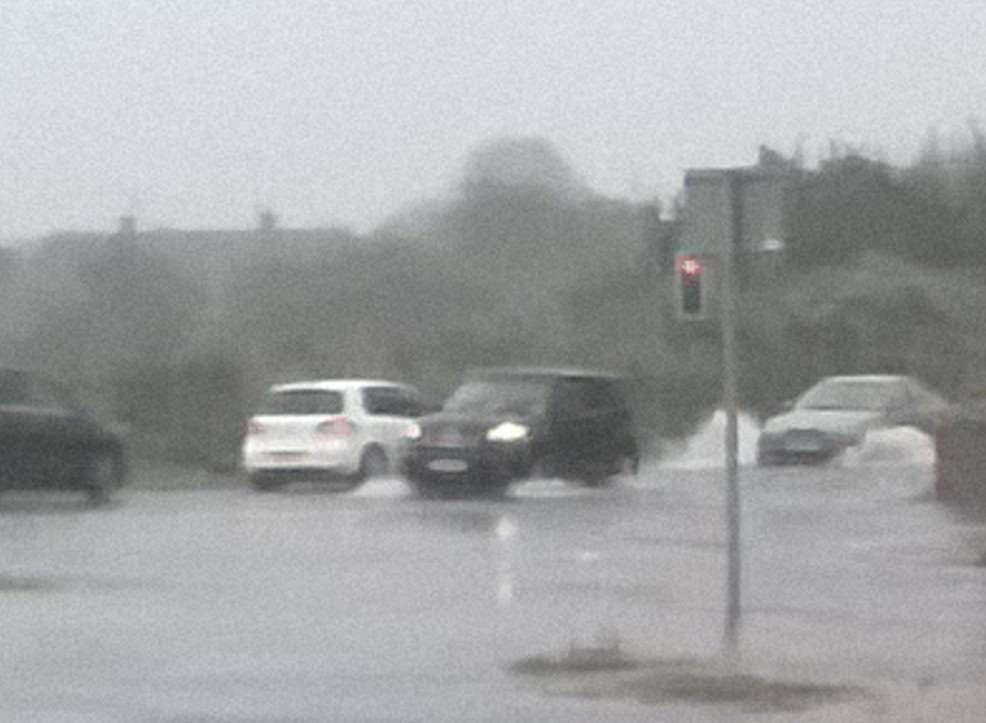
412, 432
507, 432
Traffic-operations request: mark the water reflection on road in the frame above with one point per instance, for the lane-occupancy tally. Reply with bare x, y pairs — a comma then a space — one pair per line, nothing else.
229, 605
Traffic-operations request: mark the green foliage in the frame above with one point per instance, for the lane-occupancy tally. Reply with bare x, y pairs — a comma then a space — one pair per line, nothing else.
883, 314
525, 266
190, 411
853, 206
933, 213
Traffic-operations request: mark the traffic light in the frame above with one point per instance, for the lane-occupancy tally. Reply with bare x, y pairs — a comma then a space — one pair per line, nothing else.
690, 286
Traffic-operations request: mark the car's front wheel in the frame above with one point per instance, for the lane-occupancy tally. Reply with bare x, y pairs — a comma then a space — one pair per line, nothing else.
593, 474
264, 482
103, 473
627, 465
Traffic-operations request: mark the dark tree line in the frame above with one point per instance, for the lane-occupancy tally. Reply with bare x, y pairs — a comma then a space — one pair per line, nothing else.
525, 264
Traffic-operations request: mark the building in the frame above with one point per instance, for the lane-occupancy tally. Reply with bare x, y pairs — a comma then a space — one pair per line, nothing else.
708, 212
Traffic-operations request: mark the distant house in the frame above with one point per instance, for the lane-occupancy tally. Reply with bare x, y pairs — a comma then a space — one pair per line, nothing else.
708, 213
209, 257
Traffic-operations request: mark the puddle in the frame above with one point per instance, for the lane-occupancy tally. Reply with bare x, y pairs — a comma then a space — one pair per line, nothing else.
609, 673
11, 584
26, 583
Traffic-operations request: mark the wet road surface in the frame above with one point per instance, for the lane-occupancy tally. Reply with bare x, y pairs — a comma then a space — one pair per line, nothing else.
228, 605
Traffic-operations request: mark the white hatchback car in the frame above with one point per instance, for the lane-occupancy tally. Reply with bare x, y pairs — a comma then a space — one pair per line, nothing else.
340, 431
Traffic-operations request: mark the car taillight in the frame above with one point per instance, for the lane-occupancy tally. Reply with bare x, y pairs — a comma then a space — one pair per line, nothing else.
251, 428
336, 427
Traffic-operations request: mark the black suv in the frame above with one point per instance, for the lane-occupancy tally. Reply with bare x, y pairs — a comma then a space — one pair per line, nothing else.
503, 425
48, 441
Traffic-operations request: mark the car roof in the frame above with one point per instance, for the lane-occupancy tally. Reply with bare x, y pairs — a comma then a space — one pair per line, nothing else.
866, 378
334, 385
532, 371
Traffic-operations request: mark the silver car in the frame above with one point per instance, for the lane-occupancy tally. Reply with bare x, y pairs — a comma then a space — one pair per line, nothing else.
836, 413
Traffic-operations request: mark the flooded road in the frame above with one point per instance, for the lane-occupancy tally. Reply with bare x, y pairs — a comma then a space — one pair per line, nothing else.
227, 605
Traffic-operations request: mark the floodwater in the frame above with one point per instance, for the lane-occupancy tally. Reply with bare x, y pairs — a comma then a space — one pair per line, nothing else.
705, 449
892, 447
228, 605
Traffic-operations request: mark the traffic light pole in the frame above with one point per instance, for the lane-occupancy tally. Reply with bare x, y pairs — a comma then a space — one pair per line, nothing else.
732, 241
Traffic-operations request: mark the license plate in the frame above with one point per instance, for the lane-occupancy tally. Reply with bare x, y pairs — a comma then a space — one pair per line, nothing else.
448, 465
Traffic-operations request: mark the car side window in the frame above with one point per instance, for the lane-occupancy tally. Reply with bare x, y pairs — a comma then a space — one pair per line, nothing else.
605, 397
376, 401
48, 396
573, 398
391, 402
924, 396
411, 404
897, 398
302, 402
920, 397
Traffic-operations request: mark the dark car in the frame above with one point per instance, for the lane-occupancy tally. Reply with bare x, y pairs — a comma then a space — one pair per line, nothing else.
836, 414
503, 425
47, 441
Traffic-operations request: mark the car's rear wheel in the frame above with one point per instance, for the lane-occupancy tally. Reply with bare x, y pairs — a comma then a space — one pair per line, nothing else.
373, 465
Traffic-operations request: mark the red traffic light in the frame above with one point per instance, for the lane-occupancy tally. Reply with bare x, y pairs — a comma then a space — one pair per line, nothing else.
690, 266
689, 282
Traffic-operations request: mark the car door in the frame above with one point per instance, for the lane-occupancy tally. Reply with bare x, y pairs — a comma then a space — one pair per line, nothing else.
571, 441
613, 421
59, 433
53, 434
604, 421
20, 422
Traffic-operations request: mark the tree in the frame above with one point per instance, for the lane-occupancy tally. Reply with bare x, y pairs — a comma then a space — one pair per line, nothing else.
527, 163
855, 205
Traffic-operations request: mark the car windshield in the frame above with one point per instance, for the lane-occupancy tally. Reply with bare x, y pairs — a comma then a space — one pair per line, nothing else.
849, 394
302, 401
524, 398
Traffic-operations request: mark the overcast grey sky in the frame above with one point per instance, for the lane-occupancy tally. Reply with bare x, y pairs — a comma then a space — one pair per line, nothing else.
192, 113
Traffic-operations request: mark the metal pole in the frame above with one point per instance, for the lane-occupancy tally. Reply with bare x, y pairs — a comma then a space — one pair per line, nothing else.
732, 242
